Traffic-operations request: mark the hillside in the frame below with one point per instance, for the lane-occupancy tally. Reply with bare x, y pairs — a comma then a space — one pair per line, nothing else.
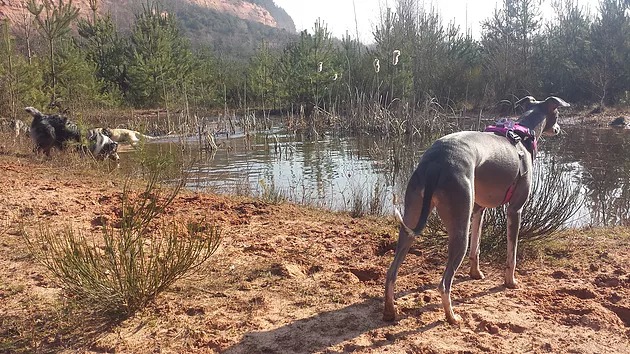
231, 27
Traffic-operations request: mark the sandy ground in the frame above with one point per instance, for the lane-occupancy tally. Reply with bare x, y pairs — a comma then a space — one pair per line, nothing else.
290, 279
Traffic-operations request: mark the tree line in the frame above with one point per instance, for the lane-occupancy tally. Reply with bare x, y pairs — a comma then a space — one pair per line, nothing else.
53, 57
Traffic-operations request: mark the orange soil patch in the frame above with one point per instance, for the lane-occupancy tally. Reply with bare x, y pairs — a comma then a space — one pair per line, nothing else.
290, 279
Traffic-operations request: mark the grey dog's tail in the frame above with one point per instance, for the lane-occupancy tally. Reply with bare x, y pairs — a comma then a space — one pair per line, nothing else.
431, 180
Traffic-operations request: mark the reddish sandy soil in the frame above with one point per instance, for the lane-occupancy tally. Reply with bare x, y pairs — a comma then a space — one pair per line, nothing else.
291, 279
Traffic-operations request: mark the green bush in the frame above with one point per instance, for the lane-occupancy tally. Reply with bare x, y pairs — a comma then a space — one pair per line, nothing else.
127, 267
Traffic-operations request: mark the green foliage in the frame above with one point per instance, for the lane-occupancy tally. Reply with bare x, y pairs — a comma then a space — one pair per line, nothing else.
129, 266
460, 77
53, 21
508, 39
565, 52
307, 68
20, 83
434, 61
160, 58
235, 64
262, 81
419, 37
103, 45
78, 82
53, 17
610, 35
204, 89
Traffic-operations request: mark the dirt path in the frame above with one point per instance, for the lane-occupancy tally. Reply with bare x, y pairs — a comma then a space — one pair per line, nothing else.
289, 279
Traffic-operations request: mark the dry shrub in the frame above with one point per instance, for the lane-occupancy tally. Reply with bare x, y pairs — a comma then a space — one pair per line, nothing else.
553, 202
125, 268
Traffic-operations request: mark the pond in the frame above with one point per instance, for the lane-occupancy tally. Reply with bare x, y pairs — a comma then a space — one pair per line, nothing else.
369, 175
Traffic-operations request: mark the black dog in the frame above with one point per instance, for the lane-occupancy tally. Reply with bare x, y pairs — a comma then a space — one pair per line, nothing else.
48, 131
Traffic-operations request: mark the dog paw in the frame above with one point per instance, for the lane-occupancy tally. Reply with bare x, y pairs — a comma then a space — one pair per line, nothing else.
476, 274
454, 319
511, 285
389, 316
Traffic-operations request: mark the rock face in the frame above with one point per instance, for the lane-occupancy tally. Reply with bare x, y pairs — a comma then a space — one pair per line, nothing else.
241, 9
14, 9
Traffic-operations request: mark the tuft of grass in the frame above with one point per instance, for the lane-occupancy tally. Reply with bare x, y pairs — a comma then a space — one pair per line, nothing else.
358, 205
127, 267
271, 194
367, 202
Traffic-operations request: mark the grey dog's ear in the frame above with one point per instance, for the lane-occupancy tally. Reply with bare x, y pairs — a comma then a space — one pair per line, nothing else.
526, 102
556, 102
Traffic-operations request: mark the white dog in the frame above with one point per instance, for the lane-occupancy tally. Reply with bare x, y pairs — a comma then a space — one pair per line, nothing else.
120, 135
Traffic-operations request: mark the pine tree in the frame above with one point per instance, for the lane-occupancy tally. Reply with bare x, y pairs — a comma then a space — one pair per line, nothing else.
307, 68
104, 46
160, 58
610, 35
20, 82
507, 40
53, 20
261, 77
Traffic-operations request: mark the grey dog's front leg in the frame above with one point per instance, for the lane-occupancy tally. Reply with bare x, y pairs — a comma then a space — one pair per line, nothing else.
513, 227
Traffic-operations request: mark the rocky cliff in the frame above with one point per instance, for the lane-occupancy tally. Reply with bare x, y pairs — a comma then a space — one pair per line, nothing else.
15, 11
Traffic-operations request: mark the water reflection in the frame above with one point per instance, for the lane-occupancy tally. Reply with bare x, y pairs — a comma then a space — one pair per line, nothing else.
601, 166
334, 171
326, 173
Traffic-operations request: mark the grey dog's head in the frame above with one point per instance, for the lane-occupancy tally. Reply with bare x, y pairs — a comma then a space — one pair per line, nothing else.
542, 114
550, 107
527, 103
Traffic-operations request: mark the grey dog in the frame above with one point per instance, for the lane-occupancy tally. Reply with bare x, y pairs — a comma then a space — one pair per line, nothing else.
461, 175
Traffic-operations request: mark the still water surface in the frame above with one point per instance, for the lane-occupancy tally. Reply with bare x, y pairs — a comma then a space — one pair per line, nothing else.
336, 171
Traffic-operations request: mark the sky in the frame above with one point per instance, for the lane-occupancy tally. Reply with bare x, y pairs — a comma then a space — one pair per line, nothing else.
339, 15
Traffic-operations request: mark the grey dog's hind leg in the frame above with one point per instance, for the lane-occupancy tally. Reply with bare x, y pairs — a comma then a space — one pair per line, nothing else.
405, 240
475, 240
418, 205
454, 209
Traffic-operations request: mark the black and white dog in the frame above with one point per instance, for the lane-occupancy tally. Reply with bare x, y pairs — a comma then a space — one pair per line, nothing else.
102, 146
48, 131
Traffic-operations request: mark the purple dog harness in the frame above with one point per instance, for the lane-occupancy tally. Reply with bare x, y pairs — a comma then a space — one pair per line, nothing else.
515, 133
